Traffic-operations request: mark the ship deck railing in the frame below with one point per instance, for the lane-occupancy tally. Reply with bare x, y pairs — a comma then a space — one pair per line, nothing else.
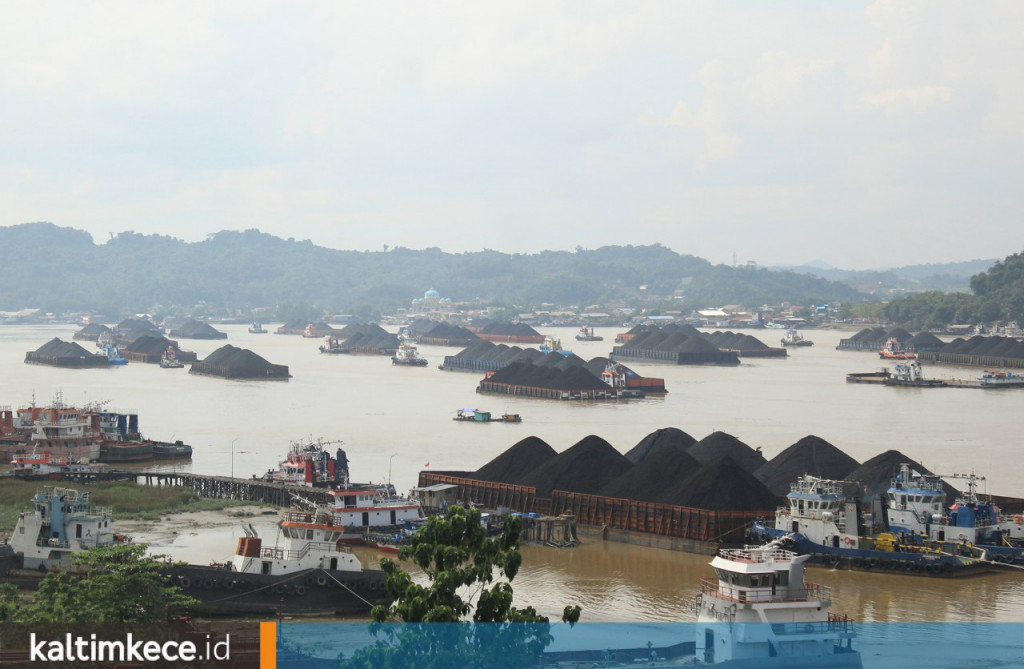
835, 624
276, 553
319, 518
757, 555
811, 592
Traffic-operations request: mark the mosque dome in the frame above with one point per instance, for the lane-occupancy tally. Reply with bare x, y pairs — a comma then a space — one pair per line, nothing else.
431, 295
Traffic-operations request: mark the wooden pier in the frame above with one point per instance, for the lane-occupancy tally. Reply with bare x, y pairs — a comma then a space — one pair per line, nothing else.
225, 487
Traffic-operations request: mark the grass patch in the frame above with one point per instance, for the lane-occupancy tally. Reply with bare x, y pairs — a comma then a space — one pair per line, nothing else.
136, 502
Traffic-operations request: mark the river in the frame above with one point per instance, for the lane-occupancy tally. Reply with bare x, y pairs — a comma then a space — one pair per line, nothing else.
396, 421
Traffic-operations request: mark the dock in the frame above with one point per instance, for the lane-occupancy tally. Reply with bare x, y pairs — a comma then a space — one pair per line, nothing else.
225, 487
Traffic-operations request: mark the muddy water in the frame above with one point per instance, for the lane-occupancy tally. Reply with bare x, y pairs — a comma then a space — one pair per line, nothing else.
397, 421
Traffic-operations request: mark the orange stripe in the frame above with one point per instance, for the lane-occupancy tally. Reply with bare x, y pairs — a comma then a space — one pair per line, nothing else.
268, 645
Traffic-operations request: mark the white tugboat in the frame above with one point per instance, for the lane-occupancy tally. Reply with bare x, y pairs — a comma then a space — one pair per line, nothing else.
308, 572
408, 355
760, 613
61, 524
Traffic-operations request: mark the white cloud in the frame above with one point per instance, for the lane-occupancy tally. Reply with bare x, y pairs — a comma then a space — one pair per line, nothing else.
914, 101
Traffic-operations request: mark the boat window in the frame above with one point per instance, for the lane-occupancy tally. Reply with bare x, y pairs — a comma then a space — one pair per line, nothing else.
309, 535
782, 577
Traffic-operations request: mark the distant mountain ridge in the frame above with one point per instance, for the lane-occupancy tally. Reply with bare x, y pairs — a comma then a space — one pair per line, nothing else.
57, 269
947, 277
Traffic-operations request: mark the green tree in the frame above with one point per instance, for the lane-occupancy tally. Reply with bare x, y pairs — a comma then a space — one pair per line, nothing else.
459, 560
456, 554
121, 585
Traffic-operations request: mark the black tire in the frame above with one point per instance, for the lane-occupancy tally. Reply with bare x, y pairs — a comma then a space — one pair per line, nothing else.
185, 582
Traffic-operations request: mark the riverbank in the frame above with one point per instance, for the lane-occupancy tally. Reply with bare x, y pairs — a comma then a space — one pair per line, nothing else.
127, 500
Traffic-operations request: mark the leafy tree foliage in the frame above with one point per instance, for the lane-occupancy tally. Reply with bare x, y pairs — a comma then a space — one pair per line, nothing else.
998, 295
460, 560
121, 585
456, 554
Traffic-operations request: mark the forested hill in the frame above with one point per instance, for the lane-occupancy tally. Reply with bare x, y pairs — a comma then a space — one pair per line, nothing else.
57, 269
998, 295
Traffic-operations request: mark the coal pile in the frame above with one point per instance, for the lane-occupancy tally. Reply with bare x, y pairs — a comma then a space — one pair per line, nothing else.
587, 467
236, 363
736, 341
131, 329
442, 333
550, 378
721, 444
678, 344
517, 463
372, 341
65, 354
91, 332
925, 341
811, 455
658, 440
197, 330
721, 486
507, 329
875, 475
665, 466
150, 348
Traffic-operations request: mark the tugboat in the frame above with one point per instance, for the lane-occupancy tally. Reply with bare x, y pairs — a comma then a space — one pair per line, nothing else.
587, 334
308, 573
257, 328
893, 350
784, 620
408, 355
308, 463
61, 524
794, 338
169, 360
821, 521
333, 345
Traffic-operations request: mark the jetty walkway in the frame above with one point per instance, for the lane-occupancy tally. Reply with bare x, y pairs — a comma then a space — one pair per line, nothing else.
225, 487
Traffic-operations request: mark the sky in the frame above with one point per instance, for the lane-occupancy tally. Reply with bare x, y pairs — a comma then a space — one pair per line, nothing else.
858, 134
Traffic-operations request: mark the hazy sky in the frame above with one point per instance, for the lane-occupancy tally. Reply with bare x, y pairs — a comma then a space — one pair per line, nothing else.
863, 134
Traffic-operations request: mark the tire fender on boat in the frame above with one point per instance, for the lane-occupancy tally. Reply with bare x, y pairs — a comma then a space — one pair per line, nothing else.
185, 582
321, 580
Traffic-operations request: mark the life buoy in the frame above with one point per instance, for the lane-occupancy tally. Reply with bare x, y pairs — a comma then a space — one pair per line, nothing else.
811, 515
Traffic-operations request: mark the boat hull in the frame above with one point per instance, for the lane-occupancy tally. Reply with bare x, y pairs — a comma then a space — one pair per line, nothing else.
308, 592
922, 564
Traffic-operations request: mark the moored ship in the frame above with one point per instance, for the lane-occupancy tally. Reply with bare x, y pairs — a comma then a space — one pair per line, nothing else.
913, 534
794, 338
760, 613
408, 355
308, 572
61, 524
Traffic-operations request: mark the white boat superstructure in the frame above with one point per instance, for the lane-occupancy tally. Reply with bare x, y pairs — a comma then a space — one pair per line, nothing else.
818, 509
373, 507
61, 524
307, 541
759, 612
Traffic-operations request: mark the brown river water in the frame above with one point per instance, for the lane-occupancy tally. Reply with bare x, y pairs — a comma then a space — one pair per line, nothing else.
396, 421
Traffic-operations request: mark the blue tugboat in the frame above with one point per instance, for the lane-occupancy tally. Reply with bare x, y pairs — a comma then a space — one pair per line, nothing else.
906, 531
